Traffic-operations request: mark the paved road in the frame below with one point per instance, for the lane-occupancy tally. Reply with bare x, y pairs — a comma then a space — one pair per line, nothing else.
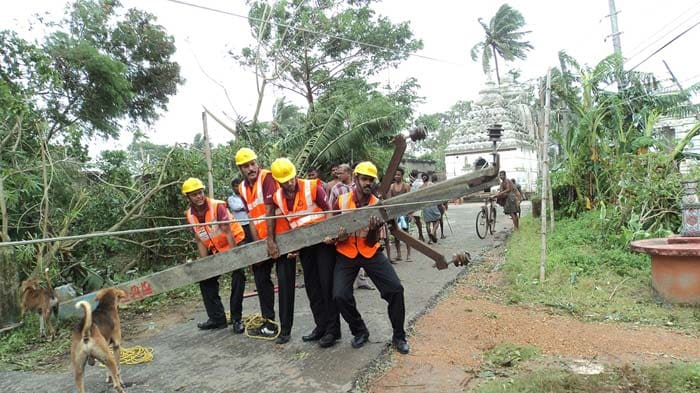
189, 360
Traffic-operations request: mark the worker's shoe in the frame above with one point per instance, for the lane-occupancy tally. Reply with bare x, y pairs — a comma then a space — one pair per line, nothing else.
328, 340
238, 327
209, 324
315, 335
267, 330
359, 340
282, 339
401, 345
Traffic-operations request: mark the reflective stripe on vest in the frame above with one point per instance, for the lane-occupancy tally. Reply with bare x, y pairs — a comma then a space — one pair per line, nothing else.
255, 201
356, 242
304, 202
213, 237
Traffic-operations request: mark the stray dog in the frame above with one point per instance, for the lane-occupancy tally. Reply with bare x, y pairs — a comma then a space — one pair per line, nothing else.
94, 333
462, 258
42, 300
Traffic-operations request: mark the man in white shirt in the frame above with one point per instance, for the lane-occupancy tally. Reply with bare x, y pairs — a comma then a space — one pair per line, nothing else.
238, 208
416, 183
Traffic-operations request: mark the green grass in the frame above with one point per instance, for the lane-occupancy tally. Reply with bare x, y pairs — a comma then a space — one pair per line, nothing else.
509, 355
22, 349
677, 378
587, 277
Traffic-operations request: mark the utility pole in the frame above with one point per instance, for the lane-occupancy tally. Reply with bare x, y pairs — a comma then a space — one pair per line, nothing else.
545, 174
207, 155
615, 32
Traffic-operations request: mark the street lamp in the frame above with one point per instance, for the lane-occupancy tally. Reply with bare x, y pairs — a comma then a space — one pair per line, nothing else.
495, 132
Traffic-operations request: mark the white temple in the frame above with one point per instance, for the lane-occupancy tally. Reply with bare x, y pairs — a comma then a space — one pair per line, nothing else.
517, 149
674, 129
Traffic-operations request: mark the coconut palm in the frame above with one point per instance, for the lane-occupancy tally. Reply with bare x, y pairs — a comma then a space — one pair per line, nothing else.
503, 38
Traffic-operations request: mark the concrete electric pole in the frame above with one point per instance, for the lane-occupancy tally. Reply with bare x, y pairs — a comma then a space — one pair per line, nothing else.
615, 32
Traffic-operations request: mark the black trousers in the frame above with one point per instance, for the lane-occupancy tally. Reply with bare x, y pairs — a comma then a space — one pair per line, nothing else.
286, 280
379, 270
318, 263
212, 300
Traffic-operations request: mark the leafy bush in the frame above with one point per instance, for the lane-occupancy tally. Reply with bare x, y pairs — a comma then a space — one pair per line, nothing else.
645, 198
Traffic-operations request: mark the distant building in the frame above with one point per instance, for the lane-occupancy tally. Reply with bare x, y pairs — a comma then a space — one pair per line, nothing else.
518, 152
673, 129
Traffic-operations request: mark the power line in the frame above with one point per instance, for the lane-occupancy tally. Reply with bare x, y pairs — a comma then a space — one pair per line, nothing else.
220, 11
185, 226
665, 45
637, 52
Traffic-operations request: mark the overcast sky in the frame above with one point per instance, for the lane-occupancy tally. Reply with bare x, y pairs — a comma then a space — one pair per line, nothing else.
448, 29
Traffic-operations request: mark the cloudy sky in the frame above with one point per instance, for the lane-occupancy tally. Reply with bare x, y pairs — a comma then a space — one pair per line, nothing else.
448, 28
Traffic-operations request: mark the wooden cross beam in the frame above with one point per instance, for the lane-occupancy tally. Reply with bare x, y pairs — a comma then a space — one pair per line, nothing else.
251, 253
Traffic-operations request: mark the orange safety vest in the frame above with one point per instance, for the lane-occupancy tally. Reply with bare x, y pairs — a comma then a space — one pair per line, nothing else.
356, 242
255, 200
304, 202
212, 236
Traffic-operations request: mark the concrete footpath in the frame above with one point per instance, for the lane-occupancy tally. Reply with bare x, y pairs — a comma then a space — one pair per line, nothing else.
190, 360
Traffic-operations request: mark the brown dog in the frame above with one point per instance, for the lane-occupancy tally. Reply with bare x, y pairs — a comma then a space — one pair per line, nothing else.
93, 335
41, 300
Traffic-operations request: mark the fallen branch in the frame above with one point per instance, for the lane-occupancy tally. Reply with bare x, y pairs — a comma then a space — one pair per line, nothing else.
617, 287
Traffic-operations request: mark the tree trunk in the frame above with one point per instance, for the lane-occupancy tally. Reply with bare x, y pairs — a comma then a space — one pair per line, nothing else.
551, 204
258, 104
9, 282
495, 61
9, 289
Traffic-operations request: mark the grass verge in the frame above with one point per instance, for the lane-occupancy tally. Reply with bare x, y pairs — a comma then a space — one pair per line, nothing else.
673, 378
588, 277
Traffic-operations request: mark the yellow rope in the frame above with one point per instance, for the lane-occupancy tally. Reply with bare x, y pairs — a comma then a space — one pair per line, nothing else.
134, 355
255, 321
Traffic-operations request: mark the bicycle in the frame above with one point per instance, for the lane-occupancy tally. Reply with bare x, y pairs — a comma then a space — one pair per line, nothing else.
486, 218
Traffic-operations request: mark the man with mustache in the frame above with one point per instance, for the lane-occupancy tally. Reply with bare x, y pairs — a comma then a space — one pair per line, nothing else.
256, 190
213, 239
303, 202
361, 250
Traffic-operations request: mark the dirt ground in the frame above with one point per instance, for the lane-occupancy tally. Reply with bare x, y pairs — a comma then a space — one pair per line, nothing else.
449, 342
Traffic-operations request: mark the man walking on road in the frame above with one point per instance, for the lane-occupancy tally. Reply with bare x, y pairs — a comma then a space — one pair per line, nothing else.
508, 199
361, 249
294, 198
417, 183
399, 187
213, 239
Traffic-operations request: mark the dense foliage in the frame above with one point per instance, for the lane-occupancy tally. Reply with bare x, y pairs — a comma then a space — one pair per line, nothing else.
98, 71
326, 52
611, 155
102, 70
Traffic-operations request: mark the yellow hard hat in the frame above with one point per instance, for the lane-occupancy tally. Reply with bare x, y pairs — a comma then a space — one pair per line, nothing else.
245, 155
366, 168
192, 184
283, 170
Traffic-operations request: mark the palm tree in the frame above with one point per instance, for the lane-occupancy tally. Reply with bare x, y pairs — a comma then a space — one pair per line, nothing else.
503, 38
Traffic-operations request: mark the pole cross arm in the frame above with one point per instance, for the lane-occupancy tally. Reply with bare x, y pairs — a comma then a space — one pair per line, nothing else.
251, 253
